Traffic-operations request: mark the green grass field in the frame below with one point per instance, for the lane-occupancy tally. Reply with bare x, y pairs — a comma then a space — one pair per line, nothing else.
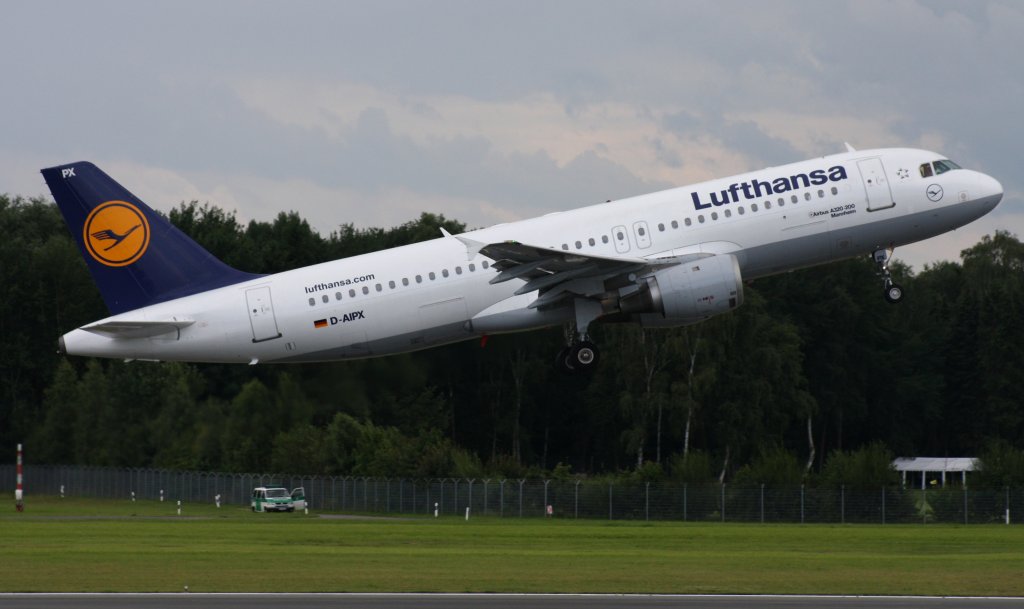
100, 545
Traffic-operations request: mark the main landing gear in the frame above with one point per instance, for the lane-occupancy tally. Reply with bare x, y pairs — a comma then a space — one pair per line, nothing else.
580, 355
893, 292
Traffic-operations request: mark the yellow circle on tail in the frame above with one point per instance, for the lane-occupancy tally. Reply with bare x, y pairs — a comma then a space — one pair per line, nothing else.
116, 233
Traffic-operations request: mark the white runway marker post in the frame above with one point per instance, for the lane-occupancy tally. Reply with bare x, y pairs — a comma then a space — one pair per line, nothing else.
19, 496
179, 507
467, 514
435, 509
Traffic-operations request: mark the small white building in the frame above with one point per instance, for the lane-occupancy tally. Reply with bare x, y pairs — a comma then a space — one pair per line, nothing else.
935, 468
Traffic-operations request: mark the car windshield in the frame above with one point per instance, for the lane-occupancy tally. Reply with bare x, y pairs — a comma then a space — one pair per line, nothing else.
277, 493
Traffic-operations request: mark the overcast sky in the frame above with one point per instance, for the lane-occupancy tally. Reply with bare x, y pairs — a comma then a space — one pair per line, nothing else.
371, 112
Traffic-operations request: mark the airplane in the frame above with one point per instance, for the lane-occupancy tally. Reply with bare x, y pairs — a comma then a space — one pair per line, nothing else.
671, 258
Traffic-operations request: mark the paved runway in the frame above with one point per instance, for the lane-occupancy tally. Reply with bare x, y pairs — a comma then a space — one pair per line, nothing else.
494, 601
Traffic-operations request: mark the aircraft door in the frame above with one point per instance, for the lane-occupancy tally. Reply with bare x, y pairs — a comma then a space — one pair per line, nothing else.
261, 314
876, 185
642, 235
621, 239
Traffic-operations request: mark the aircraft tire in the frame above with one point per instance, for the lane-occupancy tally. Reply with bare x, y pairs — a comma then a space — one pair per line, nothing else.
584, 356
562, 361
893, 293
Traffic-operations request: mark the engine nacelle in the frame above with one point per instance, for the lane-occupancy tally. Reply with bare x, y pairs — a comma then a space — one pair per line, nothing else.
686, 293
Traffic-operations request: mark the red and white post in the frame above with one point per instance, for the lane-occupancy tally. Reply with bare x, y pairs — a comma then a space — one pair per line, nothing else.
19, 502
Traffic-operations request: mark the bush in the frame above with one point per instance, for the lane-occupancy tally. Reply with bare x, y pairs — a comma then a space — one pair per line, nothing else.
868, 467
774, 468
1000, 465
695, 468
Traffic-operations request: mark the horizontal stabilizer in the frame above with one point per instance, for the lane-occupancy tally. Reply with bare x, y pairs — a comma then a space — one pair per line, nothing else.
137, 329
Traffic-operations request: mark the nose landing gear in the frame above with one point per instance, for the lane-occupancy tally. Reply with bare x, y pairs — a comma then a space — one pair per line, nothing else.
893, 291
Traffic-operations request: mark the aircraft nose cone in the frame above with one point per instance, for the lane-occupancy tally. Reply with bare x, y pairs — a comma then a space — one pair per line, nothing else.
991, 189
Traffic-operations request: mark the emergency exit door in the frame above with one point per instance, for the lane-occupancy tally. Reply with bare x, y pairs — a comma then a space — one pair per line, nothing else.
261, 314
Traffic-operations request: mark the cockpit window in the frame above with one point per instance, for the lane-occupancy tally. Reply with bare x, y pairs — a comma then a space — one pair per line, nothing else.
926, 170
945, 165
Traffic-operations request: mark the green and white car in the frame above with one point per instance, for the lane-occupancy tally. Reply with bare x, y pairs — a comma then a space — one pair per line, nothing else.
271, 499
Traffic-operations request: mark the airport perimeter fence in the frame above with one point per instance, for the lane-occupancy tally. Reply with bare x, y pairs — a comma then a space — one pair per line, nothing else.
531, 498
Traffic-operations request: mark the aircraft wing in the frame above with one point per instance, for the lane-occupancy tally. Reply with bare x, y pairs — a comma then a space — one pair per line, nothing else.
558, 274
137, 329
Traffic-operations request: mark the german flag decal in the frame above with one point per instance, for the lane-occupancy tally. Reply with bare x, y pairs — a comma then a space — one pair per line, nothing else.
320, 323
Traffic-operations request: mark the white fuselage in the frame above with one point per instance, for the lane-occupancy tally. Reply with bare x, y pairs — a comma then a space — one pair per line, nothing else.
429, 293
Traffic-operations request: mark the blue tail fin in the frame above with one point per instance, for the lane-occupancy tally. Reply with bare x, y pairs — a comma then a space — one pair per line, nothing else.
136, 257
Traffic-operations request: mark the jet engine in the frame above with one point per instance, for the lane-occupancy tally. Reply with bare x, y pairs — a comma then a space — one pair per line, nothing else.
684, 294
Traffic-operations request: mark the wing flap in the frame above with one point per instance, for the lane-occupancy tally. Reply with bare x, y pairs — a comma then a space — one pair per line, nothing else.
560, 274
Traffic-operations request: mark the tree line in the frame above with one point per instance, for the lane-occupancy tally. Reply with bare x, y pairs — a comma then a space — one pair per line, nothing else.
814, 375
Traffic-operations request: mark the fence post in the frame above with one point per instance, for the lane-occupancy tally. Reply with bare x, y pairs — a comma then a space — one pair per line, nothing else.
609, 501
486, 482
883, 505
762, 503
647, 501
576, 499
545, 506
521, 482
802, 490
469, 501
723, 502
685, 488
842, 503
501, 498
1007, 505
965, 505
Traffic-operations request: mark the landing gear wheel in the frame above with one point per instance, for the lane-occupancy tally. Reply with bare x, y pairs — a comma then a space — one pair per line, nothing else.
562, 361
584, 356
893, 293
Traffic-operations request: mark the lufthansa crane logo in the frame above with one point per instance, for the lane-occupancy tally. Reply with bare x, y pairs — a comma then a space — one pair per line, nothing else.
116, 233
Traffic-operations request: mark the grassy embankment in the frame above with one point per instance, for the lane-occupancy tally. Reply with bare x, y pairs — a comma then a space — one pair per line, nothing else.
99, 545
